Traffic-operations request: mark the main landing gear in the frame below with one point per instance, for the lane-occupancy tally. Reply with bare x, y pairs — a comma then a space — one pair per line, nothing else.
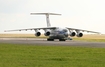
49, 39
62, 40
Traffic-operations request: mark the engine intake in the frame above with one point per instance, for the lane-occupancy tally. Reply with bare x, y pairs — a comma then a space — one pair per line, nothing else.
72, 34
47, 33
37, 34
79, 34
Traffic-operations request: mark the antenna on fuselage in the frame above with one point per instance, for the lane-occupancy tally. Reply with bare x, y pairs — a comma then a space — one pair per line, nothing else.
47, 17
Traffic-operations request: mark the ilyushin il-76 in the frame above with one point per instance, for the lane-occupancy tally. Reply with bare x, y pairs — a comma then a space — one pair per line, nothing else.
55, 32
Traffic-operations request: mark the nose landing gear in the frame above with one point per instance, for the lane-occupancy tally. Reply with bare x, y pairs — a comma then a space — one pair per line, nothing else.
62, 40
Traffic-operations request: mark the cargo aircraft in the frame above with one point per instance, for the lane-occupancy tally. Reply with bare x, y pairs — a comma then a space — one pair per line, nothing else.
55, 32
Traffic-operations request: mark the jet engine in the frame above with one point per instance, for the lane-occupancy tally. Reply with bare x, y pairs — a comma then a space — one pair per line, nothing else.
37, 34
47, 33
72, 34
79, 34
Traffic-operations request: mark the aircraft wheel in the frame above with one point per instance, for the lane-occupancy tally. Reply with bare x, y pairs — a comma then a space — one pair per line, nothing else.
62, 40
50, 39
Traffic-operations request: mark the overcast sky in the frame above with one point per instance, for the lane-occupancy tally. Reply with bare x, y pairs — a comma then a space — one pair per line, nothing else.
81, 14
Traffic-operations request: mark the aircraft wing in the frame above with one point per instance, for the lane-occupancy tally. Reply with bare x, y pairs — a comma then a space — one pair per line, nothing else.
82, 30
44, 28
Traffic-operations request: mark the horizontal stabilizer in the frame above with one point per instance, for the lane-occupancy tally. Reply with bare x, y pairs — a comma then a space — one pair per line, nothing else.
44, 14
47, 17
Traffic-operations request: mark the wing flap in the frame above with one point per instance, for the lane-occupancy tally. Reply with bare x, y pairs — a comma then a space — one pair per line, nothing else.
82, 30
44, 28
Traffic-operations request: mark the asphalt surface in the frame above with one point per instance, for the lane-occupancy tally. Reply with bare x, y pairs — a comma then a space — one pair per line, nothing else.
39, 41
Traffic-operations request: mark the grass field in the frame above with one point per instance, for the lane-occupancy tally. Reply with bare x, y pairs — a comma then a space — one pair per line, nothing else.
23, 55
88, 36
91, 38
19, 35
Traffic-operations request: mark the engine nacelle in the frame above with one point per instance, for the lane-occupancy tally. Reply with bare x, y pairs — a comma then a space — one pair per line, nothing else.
47, 33
72, 34
37, 34
79, 34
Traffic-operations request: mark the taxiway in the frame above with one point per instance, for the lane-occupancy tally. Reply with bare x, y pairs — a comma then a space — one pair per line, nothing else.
39, 41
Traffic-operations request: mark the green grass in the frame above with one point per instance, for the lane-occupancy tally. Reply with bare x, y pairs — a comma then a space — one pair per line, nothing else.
23, 55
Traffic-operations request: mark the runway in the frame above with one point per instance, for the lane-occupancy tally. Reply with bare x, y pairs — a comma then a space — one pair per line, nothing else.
40, 41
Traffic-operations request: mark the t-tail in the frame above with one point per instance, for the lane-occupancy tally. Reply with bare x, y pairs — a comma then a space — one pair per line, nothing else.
47, 17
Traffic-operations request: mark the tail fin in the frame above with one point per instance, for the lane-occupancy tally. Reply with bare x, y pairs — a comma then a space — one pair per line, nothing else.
47, 17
